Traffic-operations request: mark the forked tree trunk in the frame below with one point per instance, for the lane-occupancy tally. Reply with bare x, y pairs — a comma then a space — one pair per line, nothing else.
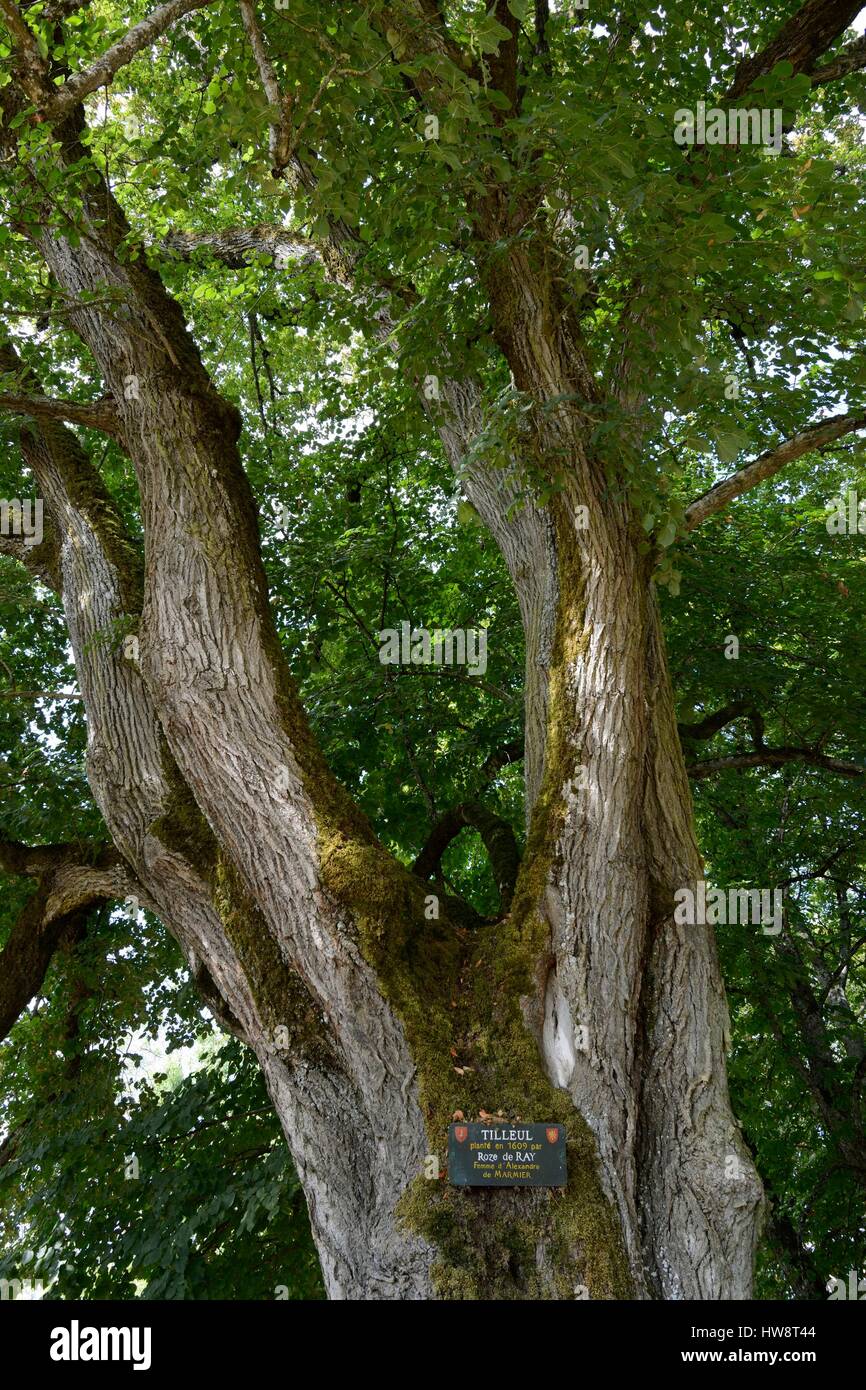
630, 1009
373, 1025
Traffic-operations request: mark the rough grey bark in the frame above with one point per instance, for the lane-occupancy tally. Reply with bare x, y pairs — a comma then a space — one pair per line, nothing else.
212, 704
647, 993
141, 797
650, 1073
214, 688
217, 797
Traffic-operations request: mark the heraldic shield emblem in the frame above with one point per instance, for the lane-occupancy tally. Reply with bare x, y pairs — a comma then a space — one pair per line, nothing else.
461, 1133
552, 1134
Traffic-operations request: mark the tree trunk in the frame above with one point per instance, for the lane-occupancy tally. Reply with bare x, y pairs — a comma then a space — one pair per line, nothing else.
372, 1024
629, 1007
630, 1010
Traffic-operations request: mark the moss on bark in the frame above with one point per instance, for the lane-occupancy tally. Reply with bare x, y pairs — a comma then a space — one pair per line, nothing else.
458, 994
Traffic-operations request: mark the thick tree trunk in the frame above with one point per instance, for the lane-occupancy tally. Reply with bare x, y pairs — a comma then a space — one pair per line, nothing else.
274, 950
631, 1013
372, 1024
630, 1007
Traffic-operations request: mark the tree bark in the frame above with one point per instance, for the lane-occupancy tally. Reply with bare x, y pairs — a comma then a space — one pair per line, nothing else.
338, 1093
372, 1024
629, 1007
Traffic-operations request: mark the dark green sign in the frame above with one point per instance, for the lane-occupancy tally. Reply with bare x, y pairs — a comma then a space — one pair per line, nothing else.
506, 1155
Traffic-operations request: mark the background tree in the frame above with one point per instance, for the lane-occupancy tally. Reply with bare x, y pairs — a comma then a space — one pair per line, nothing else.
388, 239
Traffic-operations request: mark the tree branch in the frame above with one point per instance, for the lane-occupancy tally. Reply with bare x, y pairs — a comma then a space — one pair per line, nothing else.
43, 561
18, 28
53, 452
280, 143
140, 36
58, 10
767, 464
499, 841
415, 27
542, 16
850, 59
775, 757
97, 415
509, 753
503, 63
713, 723
807, 34
33, 69
235, 246
40, 695
67, 891
35, 860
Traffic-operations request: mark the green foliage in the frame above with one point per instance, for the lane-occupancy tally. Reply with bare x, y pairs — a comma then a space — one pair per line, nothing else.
122, 1180
769, 573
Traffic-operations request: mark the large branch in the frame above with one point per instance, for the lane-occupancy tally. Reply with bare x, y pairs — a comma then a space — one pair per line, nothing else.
260, 861
815, 436
67, 891
236, 247
18, 28
36, 860
848, 60
775, 757
140, 36
129, 769
807, 34
97, 415
31, 66
281, 106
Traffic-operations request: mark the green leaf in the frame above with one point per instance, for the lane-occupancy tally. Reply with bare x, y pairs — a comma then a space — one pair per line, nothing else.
489, 34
